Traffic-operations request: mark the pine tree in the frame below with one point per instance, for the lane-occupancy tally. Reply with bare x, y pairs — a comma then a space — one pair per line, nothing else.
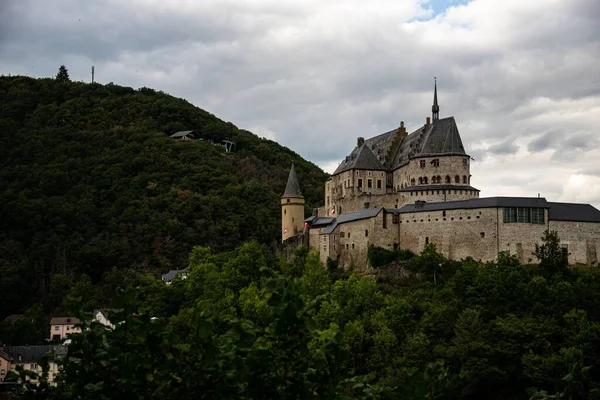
63, 74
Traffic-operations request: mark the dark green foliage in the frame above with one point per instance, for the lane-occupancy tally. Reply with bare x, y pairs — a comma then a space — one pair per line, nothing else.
63, 74
246, 325
378, 256
90, 180
553, 257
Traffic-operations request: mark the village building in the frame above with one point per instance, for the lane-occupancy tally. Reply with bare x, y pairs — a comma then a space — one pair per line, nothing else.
62, 327
185, 135
28, 358
403, 191
169, 276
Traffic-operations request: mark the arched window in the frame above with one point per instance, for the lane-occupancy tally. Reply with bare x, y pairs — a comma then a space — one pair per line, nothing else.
420, 181
447, 179
465, 179
457, 179
425, 180
412, 182
439, 179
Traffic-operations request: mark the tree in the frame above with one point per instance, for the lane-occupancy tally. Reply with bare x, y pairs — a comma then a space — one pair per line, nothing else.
63, 74
553, 258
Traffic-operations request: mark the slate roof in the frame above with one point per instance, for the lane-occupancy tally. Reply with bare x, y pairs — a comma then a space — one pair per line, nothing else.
168, 277
292, 189
386, 153
573, 212
64, 321
348, 217
181, 134
484, 202
30, 354
360, 158
437, 187
320, 221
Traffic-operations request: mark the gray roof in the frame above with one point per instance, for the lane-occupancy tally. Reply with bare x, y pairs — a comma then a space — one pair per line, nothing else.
349, 217
292, 189
484, 202
361, 158
573, 212
320, 221
391, 150
32, 354
182, 134
437, 187
168, 277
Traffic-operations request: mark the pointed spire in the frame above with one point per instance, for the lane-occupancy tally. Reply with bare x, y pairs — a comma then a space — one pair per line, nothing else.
292, 189
435, 109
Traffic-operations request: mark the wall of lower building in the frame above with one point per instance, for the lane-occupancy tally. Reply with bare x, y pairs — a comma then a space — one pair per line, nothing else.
4, 367
520, 238
582, 240
457, 234
63, 331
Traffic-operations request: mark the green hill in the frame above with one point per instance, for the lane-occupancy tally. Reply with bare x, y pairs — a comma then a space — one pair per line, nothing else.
90, 180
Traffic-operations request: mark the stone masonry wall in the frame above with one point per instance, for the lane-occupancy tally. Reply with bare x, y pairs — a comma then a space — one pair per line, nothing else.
451, 166
582, 240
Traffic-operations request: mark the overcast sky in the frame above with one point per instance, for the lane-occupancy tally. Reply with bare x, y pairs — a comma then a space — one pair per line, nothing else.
521, 77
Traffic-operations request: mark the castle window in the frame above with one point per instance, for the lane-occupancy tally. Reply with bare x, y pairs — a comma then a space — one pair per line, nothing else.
384, 220
395, 218
420, 181
366, 233
421, 193
293, 219
422, 163
288, 200
339, 209
426, 239
369, 173
537, 215
359, 182
425, 180
412, 182
438, 192
482, 234
348, 235
444, 213
346, 246
352, 245
284, 212
447, 179
369, 183
457, 179
435, 162
460, 192
411, 193
395, 246
378, 183
465, 179
334, 246
327, 200
341, 234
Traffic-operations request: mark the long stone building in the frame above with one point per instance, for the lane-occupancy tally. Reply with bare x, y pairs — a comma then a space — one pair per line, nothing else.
399, 190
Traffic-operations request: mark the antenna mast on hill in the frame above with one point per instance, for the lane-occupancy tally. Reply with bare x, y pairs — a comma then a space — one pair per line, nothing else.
92, 74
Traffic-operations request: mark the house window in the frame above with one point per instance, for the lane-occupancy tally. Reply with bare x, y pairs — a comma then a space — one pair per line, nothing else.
33, 366
359, 182
369, 183
366, 233
56, 328
378, 183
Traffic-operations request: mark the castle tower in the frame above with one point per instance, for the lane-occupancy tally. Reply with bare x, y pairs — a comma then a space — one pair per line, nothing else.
292, 207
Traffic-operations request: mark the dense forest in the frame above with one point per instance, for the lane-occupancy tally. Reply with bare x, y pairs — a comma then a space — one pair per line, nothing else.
91, 186
247, 325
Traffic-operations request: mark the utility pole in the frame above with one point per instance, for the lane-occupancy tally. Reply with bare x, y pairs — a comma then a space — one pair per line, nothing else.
92, 74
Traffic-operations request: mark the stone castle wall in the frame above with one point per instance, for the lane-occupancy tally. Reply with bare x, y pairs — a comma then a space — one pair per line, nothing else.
582, 240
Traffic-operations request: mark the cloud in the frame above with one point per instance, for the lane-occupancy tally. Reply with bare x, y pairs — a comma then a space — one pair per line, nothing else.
520, 77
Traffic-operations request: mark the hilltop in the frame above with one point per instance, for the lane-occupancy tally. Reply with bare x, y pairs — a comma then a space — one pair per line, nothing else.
90, 180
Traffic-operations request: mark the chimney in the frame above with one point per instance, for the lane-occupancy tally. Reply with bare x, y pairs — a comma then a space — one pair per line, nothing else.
401, 130
360, 141
427, 121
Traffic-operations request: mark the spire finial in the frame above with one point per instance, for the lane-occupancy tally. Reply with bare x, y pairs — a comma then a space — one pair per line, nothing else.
435, 108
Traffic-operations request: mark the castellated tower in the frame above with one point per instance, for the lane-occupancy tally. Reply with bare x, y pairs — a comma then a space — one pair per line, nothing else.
292, 207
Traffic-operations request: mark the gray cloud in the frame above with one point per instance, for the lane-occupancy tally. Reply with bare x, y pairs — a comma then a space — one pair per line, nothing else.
315, 75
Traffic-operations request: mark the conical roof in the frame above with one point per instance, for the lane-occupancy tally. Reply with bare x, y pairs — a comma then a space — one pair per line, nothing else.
292, 189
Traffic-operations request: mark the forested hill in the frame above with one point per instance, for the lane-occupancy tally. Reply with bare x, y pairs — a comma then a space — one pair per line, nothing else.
90, 179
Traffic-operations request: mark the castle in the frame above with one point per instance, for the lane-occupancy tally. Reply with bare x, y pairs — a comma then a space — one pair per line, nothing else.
403, 191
